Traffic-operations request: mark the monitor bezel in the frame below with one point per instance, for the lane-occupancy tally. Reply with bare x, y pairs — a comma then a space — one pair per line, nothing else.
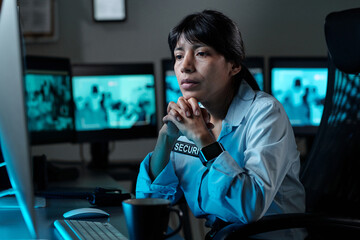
107, 135
48, 63
297, 62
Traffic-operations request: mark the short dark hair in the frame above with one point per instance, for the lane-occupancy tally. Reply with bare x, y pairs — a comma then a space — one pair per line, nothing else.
213, 29
218, 31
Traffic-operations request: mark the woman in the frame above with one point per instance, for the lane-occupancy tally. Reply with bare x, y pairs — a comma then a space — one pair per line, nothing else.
227, 147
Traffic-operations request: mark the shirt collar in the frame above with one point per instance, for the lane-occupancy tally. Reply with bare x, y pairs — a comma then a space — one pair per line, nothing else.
240, 104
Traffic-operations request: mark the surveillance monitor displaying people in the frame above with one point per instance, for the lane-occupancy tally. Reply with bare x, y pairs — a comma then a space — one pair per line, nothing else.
114, 97
300, 85
49, 100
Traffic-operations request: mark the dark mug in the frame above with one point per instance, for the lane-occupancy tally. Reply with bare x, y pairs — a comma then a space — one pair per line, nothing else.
148, 218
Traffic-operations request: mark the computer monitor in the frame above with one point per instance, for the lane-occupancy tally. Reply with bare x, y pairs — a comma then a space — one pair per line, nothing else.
256, 67
13, 127
113, 102
171, 89
299, 83
49, 100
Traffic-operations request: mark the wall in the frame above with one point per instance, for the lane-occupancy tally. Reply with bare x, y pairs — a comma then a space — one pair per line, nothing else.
269, 28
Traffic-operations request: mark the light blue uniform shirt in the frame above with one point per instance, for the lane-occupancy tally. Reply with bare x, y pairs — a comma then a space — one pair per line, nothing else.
257, 175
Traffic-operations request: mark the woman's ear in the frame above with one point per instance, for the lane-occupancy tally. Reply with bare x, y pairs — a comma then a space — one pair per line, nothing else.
235, 69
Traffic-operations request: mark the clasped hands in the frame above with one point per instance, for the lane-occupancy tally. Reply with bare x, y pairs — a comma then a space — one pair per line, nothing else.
187, 118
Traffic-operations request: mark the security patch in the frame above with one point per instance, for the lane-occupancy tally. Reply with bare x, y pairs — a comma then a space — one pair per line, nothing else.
186, 148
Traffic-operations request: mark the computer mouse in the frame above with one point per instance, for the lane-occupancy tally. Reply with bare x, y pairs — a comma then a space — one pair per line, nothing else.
81, 213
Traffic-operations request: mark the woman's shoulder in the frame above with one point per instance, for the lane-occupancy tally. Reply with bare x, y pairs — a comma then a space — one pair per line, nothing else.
257, 97
265, 104
263, 98
266, 110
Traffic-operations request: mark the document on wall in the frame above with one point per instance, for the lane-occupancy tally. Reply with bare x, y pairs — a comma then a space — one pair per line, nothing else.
37, 18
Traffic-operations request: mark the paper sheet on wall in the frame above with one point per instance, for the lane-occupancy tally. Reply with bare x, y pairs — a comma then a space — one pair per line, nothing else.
107, 10
36, 17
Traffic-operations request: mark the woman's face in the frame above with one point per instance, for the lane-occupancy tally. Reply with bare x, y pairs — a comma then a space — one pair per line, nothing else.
201, 72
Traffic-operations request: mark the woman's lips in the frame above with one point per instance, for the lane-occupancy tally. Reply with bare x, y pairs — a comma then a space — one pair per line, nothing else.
188, 84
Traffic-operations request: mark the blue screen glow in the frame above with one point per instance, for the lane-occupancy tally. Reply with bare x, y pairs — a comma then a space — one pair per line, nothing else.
48, 101
114, 101
172, 89
302, 93
259, 76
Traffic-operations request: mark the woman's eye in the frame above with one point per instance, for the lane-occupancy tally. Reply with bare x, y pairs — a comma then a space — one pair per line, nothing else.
177, 57
202, 54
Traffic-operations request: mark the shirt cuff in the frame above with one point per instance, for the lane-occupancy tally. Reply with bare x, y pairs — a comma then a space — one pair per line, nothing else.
164, 186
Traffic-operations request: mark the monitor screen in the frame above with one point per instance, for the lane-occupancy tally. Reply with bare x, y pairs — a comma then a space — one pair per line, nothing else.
114, 101
171, 87
49, 100
256, 67
14, 140
300, 85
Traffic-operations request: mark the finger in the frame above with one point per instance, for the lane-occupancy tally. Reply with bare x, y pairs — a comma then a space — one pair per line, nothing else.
173, 112
194, 106
185, 106
170, 106
167, 118
170, 122
170, 118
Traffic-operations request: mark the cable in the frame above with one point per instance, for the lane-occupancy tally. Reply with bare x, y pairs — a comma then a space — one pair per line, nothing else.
3, 164
100, 196
7, 192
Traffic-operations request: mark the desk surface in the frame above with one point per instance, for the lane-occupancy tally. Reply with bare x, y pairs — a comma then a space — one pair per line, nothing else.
12, 225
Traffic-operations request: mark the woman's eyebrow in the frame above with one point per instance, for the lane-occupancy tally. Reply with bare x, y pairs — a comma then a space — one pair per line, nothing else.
198, 45
194, 46
178, 49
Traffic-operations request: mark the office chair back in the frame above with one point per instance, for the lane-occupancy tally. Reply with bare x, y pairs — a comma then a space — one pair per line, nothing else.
331, 174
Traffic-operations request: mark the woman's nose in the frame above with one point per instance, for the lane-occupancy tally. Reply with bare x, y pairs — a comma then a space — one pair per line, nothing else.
188, 64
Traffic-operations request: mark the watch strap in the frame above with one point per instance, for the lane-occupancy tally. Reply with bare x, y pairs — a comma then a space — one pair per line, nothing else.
209, 153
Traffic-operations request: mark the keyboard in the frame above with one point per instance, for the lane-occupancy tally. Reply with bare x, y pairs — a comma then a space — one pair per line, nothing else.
87, 230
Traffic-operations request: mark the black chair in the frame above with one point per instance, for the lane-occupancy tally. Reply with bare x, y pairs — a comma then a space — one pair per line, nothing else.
331, 173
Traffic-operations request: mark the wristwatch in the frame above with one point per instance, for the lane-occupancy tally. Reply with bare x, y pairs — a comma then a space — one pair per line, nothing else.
209, 153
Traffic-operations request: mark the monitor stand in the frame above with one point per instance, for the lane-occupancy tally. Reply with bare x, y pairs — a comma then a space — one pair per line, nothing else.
45, 172
99, 155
